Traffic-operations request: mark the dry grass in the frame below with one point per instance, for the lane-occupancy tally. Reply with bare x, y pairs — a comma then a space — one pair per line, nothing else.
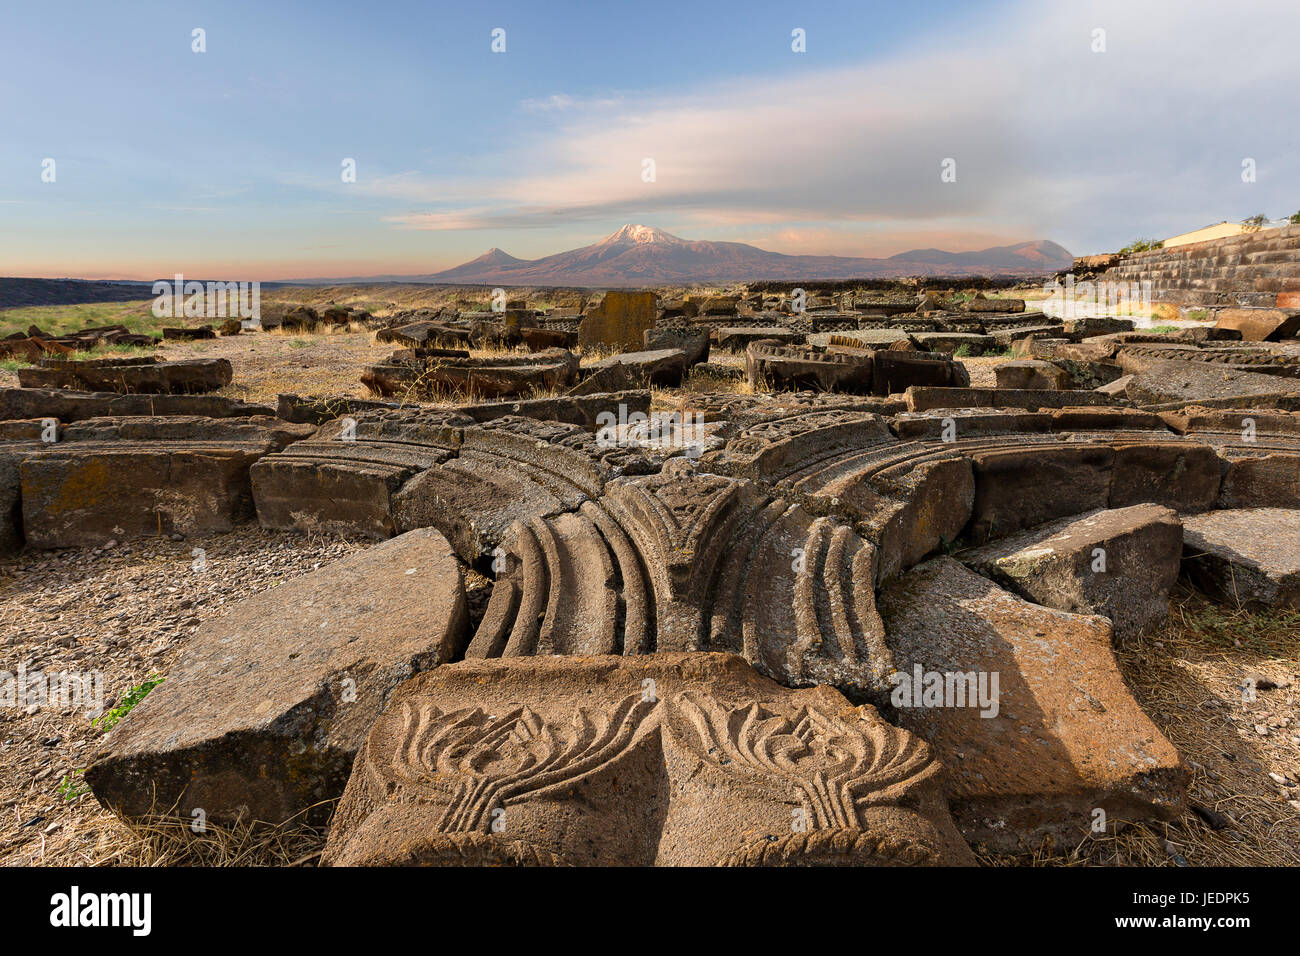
172, 842
1188, 678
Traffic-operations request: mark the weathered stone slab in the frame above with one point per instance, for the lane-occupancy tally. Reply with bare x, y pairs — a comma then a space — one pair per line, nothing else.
695, 343
1173, 381
588, 410
1248, 423
864, 338
538, 340
1020, 488
978, 304
950, 342
663, 367
420, 334
1120, 564
507, 470
125, 375
133, 477
894, 372
619, 322
1065, 736
1088, 374
1030, 374
194, 334
1247, 557
920, 510
1009, 338
344, 478
951, 424
920, 399
1101, 418
1089, 326
1260, 325
11, 508
485, 378
1182, 476
1270, 481
769, 366
1100, 349
668, 760
70, 406
318, 411
737, 339
261, 717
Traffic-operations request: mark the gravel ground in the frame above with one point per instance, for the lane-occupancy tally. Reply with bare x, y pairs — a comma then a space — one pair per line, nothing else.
121, 613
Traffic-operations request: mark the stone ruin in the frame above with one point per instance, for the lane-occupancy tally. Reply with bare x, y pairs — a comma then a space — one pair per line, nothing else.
129, 375
853, 619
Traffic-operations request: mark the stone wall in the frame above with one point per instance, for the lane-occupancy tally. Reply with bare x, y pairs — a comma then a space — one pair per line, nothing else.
1254, 269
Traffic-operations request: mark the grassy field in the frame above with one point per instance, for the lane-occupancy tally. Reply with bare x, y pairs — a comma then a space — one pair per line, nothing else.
63, 319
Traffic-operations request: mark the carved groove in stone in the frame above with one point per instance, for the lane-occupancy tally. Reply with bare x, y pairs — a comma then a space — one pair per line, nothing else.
832, 767
474, 763
683, 561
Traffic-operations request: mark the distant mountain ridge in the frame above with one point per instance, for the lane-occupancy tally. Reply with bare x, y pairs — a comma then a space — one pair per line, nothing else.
637, 255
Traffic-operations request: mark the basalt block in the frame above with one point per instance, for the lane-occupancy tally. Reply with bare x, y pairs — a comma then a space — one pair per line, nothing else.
1267, 481
261, 717
663, 367
128, 375
1026, 709
894, 372
504, 377
1180, 381
318, 411
921, 508
1020, 488
70, 406
687, 561
1182, 476
738, 338
508, 470
195, 334
995, 305
589, 410
11, 509
949, 424
667, 760
920, 399
1030, 373
420, 334
133, 477
539, 340
949, 342
1120, 564
1260, 325
694, 343
620, 321
769, 366
1248, 557
1097, 325
345, 477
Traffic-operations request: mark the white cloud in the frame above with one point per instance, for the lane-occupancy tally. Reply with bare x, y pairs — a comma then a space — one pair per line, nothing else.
1050, 139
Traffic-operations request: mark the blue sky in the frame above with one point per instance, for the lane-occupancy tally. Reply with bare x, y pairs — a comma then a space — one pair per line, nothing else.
228, 162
